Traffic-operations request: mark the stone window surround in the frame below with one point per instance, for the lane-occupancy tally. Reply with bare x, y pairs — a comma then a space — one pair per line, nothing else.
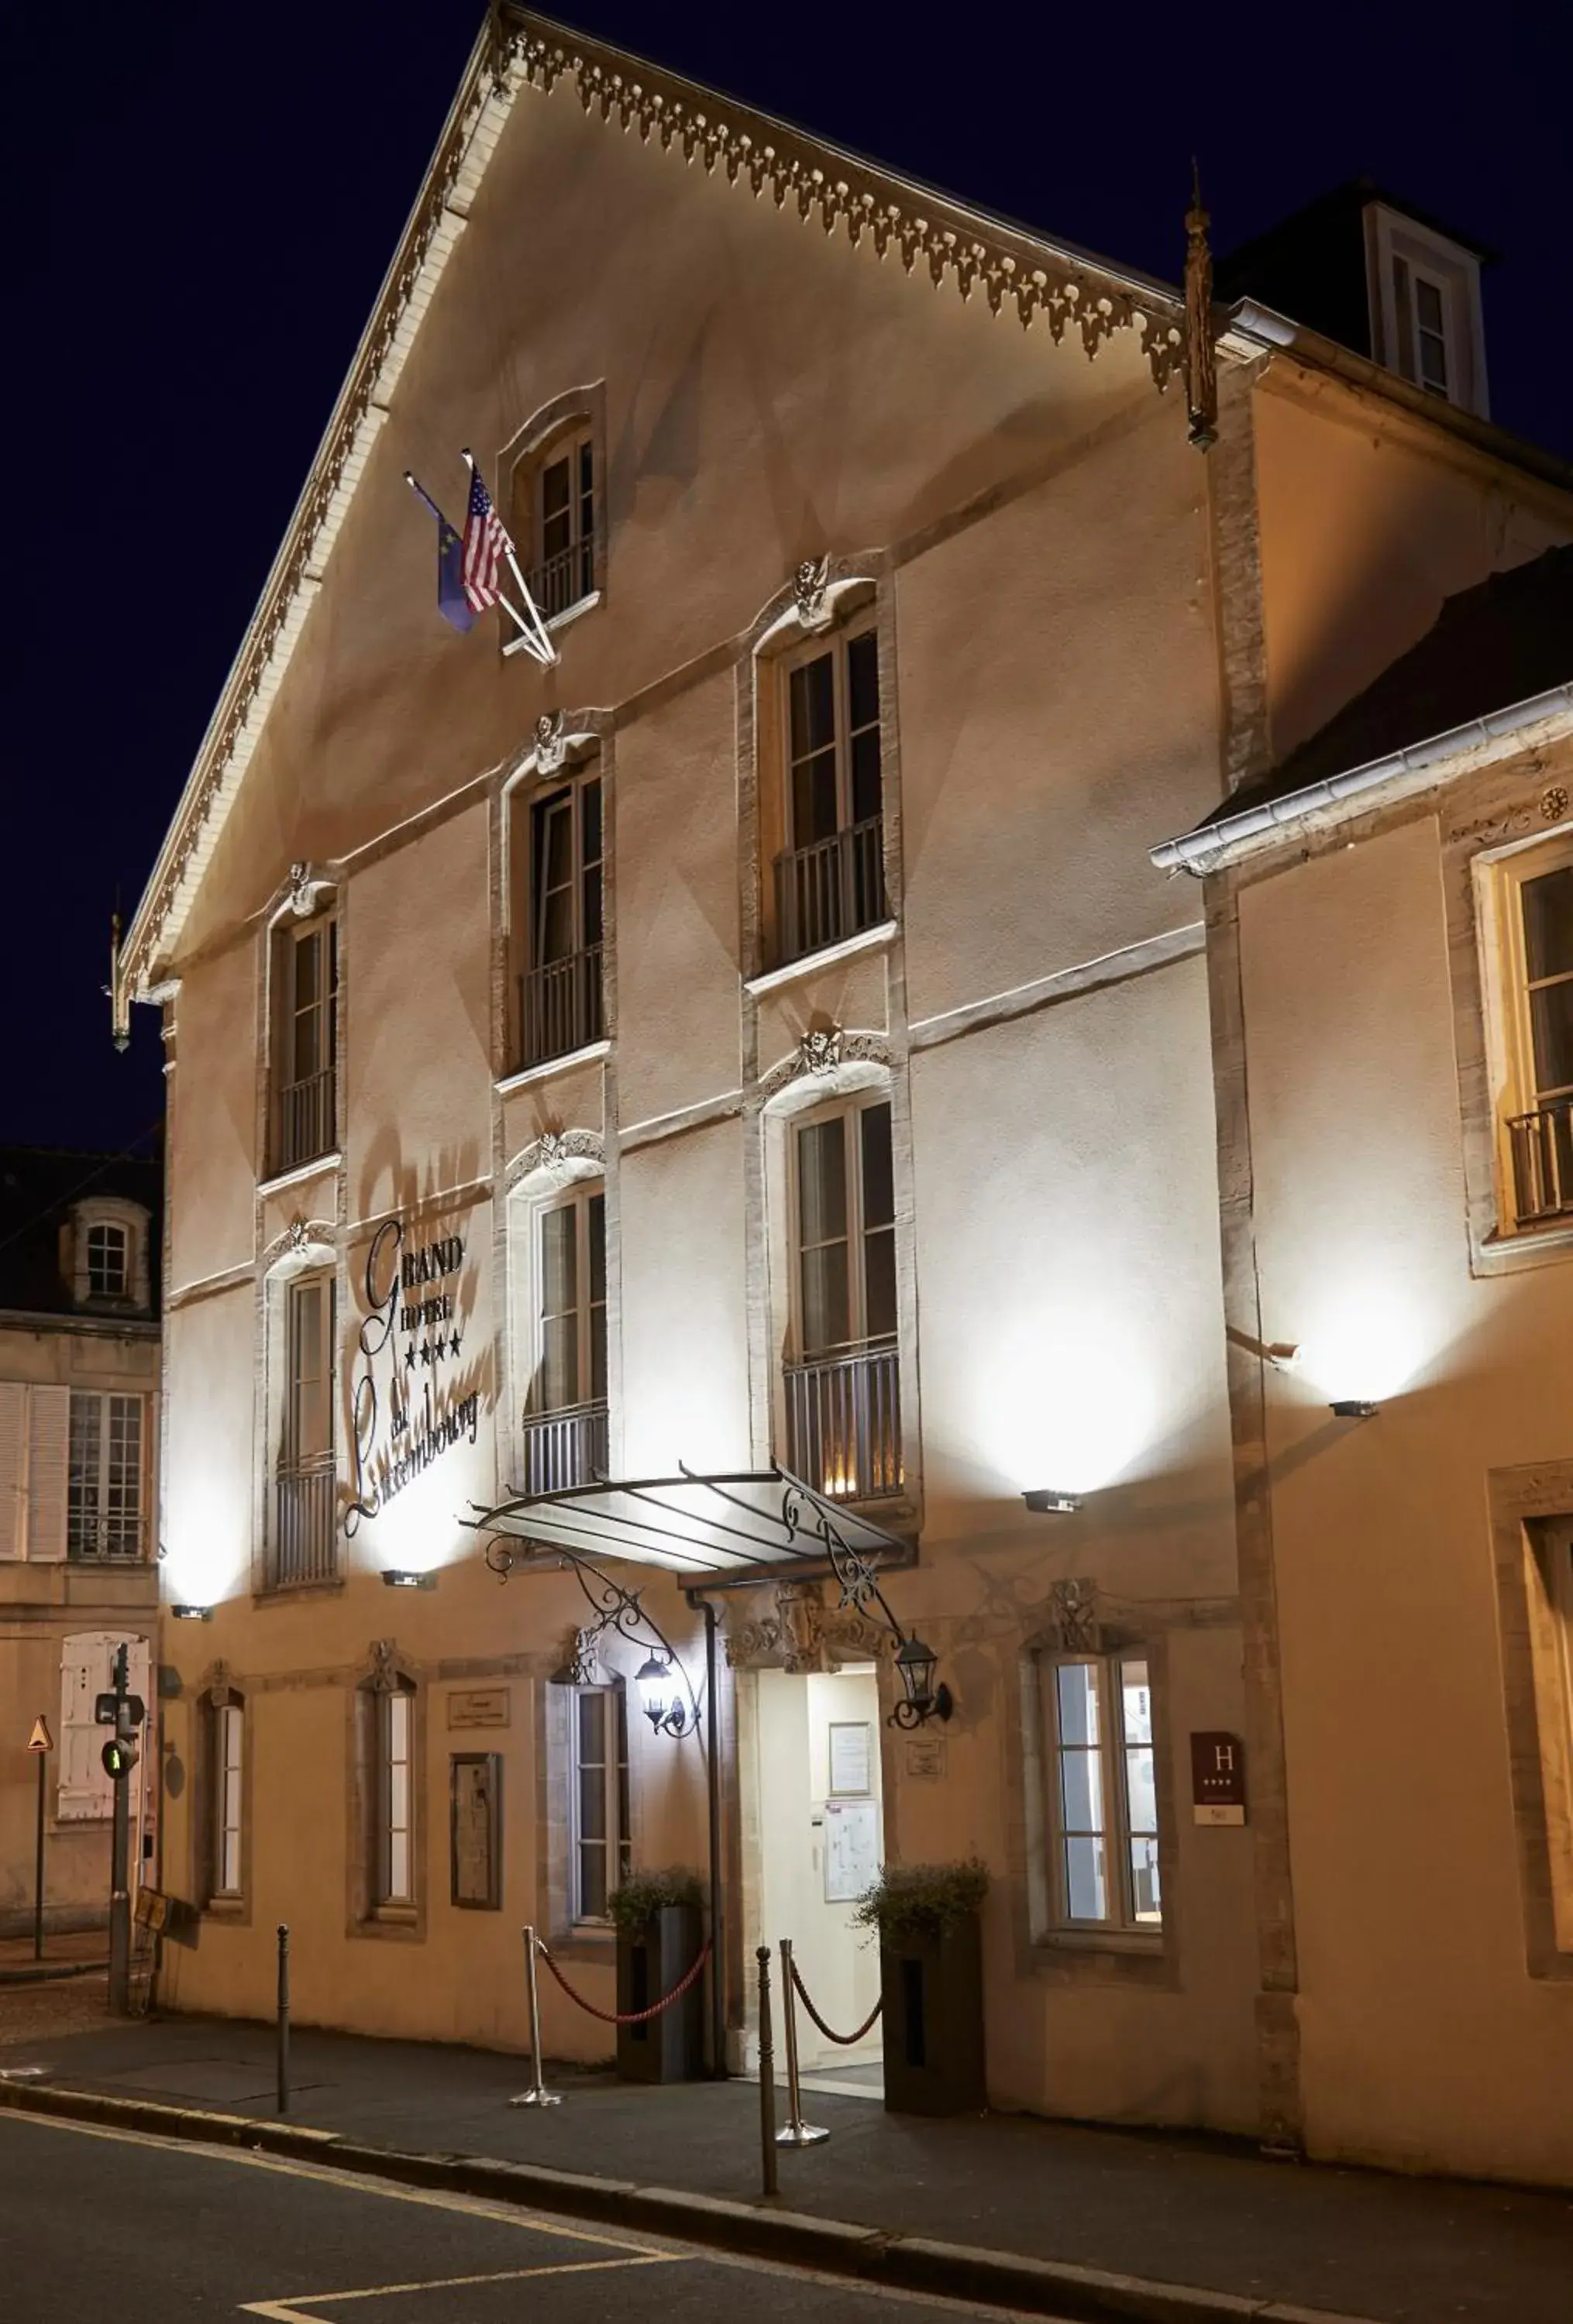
1045, 1948
312, 1249
554, 1764
219, 1689
537, 1182
576, 408
116, 1211
312, 891
1479, 890
828, 597
811, 1083
1540, 1760
386, 1668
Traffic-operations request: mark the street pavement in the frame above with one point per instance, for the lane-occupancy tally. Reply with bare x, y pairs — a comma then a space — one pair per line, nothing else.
95, 2222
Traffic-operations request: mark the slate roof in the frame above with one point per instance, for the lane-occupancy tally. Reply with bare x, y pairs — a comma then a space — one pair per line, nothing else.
38, 1186
1502, 642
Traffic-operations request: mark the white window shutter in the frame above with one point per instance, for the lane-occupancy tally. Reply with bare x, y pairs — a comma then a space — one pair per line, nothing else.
87, 1669
48, 1434
13, 1469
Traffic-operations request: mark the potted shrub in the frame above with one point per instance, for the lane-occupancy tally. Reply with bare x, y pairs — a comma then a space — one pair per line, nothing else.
660, 1929
930, 1943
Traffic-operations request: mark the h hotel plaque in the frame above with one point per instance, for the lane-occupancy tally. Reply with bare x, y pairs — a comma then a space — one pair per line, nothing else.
1217, 1777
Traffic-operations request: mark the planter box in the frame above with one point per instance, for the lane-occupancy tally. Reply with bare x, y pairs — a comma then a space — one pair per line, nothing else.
670, 2048
932, 2023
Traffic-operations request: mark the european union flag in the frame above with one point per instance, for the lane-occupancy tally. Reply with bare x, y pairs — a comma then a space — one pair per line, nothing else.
451, 601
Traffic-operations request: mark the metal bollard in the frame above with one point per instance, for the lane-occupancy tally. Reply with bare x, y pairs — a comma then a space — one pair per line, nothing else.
537, 2094
794, 2131
284, 2022
766, 2078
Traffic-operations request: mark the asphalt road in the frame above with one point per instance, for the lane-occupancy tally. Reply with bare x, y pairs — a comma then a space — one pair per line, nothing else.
97, 2223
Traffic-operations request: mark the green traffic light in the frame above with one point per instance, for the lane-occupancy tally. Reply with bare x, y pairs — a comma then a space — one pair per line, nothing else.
119, 1758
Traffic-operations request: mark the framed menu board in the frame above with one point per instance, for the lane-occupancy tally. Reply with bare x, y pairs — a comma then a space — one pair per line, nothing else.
476, 1825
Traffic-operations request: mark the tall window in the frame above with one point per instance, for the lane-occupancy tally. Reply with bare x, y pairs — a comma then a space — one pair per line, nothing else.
395, 1882
830, 878
843, 1409
564, 524
600, 1839
1540, 1128
559, 999
307, 996
1098, 1712
303, 1539
228, 1742
565, 1428
847, 1273
104, 1482
108, 1261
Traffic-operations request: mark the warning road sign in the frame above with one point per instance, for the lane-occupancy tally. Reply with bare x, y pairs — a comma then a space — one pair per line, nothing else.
40, 1740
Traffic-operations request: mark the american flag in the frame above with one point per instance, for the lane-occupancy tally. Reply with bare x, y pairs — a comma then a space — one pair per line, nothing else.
486, 544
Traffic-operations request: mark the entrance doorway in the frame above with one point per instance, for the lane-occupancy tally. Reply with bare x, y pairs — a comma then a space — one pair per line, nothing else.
820, 1840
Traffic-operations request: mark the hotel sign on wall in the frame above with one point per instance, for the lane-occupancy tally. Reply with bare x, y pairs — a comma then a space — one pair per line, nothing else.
1217, 1777
411, 1403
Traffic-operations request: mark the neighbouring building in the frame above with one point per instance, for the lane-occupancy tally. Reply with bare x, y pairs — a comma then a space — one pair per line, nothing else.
1390, 929
79, 1268
756, 1046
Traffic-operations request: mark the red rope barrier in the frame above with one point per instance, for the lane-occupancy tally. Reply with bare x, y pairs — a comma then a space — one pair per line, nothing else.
846, 2040
626, 2016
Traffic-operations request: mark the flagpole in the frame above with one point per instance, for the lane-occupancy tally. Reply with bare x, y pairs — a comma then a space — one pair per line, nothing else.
421, 493
539, 644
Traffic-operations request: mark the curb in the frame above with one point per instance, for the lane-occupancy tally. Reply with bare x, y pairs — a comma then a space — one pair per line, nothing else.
52, 1972
1037, 2287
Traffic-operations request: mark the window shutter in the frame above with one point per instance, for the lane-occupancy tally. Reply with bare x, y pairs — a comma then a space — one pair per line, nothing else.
12, 1468
48, 1443
87, 1668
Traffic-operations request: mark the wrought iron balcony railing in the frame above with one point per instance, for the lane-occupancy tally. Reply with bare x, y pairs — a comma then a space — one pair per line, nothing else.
117, 1538
1542, 1163
830, 891
563, 580
304, 1546
844, 1423
305, 1120
567, 1448
560, 1008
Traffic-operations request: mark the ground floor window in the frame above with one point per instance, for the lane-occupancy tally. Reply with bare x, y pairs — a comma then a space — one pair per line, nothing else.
1104, 1808
599, 1793
228, 1745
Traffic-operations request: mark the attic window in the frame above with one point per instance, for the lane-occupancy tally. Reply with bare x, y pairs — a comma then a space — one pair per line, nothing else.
108, 1261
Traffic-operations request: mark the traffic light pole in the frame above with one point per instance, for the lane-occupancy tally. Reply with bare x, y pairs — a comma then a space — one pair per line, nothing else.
120, 1865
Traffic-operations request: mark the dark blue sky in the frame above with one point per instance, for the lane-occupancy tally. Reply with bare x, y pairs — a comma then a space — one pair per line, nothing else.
203, 199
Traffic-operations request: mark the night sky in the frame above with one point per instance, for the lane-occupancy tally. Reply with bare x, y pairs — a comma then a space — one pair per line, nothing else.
203, 202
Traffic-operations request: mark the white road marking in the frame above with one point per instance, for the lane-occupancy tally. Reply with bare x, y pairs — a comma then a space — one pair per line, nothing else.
292, 2310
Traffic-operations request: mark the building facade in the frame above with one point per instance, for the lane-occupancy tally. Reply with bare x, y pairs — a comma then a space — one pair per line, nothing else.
79, 1274
756, 1040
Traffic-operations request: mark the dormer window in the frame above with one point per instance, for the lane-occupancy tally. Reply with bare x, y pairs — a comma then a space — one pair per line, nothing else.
108, 1261
104, 1254
1425, 302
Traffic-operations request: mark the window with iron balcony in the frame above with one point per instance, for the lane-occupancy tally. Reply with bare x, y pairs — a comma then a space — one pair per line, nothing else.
554, 499
305, 1041
564, 1437
558, 886
303, 1543
105, 1488
830, 877
842, 1388
1537, 926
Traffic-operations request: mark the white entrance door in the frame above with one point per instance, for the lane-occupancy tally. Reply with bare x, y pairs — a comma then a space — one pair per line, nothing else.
821, 1841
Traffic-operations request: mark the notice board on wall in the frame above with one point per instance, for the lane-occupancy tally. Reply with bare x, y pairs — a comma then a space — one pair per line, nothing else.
851, 1848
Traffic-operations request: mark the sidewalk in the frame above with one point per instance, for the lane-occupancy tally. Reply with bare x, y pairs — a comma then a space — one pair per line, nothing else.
1176, 2210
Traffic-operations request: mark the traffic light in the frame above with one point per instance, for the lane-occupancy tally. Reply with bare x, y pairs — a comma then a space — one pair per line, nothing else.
119, 1757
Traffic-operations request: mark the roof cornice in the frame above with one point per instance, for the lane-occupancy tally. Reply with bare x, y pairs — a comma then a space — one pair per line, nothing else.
1336, 798
1039, 279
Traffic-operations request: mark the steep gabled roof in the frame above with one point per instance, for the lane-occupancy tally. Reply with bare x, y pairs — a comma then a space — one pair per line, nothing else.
1013, 267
